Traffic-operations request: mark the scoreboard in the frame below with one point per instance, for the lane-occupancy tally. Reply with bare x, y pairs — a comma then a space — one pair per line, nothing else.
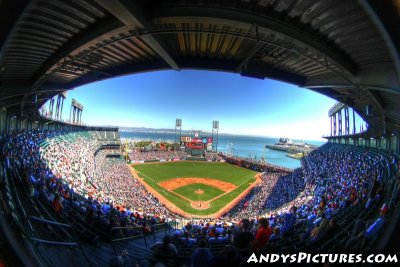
200, 143
186, 139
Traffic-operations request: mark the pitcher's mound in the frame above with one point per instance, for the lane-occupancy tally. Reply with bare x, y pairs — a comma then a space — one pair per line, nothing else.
199, 192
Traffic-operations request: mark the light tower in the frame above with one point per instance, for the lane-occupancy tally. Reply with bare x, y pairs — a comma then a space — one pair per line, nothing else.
75, 114
229, 149
60, 104
178, 129
215, 130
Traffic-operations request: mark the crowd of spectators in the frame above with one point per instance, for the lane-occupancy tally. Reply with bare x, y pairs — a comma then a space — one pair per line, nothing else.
126, 191
138, 155
331, 179
275, 190
70, 156
107, 180
254, 164
58, 169
165, 155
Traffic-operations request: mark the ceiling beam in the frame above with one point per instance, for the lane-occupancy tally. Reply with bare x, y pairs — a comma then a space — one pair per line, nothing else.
370, 87
10, 90
10, 12
300, 36
131, 14
257, 46
117, 71
94, 34
391, 18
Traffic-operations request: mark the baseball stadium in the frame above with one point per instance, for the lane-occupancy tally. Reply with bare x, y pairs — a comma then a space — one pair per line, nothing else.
73, 194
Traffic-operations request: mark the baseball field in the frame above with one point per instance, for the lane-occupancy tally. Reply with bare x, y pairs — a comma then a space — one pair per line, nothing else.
196, 189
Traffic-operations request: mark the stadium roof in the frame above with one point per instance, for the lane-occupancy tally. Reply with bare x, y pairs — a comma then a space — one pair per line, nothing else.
348, 50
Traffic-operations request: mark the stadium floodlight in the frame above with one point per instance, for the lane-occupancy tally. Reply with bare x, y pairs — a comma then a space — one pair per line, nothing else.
215, 124
215, 130
178, 129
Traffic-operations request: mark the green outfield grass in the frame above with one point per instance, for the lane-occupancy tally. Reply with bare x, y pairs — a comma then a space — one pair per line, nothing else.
189, 192
159, 172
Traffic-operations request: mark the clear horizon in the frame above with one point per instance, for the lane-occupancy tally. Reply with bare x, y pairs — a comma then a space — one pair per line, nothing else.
243, 106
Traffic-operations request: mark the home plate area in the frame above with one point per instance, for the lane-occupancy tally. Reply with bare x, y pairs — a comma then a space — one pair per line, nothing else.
200, 205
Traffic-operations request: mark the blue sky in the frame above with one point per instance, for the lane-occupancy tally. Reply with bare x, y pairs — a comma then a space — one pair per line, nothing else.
242, 105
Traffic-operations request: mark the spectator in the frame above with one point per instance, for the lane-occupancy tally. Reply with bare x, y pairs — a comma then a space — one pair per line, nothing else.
243, 238
56, 204
202, 256
263, 234
164, 248
276, 234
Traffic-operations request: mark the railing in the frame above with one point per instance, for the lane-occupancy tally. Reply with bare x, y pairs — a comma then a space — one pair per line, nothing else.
156, 228
128, 233
39, 241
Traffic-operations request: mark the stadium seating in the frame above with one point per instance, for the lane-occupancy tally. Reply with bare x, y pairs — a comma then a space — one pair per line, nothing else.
335, 183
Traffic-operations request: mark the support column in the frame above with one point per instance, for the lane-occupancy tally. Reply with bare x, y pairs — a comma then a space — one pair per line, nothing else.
346, 121
340, 122
70, 114
73, 114
51, 107
331, 125
62, 105
367, 142
354, 122
58, 107
334, 124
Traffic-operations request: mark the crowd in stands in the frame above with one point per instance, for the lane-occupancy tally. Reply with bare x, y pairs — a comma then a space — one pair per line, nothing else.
213, 156
275, 190
59, 167
138, 155
71, 158
254, 164
59, 170
128, 192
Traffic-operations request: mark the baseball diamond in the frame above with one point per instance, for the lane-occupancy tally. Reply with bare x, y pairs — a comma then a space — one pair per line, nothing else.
196, 189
